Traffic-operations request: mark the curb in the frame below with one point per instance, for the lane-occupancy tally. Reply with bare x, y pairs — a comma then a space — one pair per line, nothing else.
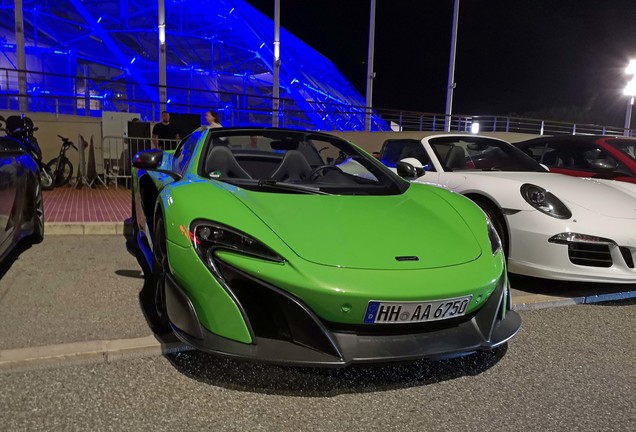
85, 228
90, 352
538, 301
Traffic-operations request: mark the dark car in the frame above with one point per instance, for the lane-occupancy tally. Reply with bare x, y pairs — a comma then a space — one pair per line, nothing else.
585, 155
21, 209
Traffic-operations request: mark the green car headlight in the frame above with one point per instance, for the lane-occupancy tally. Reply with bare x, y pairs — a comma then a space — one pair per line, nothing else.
495, 240
208, 237
544, 201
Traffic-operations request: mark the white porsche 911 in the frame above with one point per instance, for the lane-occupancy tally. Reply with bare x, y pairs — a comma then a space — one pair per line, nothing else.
552, 226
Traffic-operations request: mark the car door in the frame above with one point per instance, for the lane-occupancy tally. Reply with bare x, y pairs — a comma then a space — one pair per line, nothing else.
11, 152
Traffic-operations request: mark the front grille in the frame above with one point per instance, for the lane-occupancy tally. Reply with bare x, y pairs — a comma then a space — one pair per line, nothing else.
589, 254
398, 329
627, 256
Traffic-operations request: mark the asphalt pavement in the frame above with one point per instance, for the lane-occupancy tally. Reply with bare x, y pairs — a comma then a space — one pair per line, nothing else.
569, 369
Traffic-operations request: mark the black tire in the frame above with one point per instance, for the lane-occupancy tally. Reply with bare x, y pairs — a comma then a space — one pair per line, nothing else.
159, 271
133, 218
64, 172
46, 179
38, 215
497, 219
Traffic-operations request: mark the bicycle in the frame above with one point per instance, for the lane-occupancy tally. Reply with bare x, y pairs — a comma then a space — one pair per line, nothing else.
61, 167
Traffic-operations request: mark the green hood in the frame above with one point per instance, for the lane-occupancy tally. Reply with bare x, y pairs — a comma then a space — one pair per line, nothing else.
368, 232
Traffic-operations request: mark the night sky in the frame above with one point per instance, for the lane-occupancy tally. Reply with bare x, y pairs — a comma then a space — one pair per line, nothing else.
552, 59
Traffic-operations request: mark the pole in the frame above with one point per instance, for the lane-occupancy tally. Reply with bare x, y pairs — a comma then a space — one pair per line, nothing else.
370, 73
161, 27
451, 70
19, 36
628, 116
276, 82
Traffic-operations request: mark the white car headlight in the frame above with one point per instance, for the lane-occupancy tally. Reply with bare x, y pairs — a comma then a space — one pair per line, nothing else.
544, 201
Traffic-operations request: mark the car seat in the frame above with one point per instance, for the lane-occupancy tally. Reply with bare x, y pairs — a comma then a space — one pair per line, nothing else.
456, 158
221, 160
293, 168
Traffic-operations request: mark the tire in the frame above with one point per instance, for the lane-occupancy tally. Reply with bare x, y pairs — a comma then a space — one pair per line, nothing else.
64, 172
497, 219
133, 218
159, 271
38, 215
46, 179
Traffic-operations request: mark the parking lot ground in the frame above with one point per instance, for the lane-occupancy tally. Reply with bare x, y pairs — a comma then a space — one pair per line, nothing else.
78, 298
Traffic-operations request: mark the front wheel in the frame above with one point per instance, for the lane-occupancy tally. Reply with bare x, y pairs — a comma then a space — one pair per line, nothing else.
497, 219
160, 269
38, 216
61, 172
46, 179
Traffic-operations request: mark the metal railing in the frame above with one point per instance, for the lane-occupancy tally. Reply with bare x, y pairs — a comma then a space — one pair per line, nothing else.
255, 110
414, 121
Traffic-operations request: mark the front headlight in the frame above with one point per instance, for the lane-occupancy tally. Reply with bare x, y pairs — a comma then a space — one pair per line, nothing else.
208, 237
544, 201
495, 240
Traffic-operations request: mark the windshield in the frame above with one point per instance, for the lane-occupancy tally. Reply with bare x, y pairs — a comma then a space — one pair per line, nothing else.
285, 161
480, 153
626, 146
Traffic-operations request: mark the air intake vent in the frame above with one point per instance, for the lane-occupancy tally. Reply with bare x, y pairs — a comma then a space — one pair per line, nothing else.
590, 255
627, 256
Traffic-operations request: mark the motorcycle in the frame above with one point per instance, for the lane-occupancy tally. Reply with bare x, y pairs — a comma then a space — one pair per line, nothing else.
22, 128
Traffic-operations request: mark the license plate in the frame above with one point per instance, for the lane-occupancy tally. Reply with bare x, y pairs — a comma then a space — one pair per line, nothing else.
415, 312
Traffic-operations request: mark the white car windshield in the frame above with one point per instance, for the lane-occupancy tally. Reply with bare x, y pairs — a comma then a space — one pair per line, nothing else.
480, 153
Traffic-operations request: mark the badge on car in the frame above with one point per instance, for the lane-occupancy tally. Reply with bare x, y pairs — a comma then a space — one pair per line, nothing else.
415, 312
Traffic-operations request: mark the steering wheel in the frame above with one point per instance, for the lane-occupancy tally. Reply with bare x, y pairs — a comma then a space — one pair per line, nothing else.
320, 171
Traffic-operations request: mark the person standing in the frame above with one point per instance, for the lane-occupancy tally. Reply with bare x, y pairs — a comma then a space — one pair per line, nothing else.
212, 117
164, 131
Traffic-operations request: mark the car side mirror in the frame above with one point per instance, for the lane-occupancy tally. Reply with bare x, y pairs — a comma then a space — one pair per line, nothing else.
603, 165
407, 171
545, 167
148, 159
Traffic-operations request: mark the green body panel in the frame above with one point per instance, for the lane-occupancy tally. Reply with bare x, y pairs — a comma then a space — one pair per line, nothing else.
216, 310
324, 229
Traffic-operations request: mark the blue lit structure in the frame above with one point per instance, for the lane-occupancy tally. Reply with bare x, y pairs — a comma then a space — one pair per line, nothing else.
219, 56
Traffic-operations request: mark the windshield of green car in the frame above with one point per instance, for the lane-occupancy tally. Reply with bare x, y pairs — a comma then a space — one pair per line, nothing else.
626, 146
286, 161
481, 153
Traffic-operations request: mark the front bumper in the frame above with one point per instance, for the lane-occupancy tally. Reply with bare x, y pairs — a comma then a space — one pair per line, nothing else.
311, 343
532, 253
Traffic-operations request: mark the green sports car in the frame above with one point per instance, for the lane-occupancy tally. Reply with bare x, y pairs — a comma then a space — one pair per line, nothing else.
299, 248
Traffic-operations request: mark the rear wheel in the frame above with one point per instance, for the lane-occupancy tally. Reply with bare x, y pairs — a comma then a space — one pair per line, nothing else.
160, 269
62, 173
497, 219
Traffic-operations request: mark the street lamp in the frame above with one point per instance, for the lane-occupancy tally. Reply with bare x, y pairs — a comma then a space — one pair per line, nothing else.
630, 90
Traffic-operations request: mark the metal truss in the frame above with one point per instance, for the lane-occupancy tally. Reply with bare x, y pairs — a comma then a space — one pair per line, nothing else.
220, 55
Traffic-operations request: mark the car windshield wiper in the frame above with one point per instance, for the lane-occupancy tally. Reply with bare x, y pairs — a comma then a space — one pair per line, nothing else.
273, 184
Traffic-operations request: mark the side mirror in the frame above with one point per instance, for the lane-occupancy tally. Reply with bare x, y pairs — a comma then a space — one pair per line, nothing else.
407, 171
545, 167
603, 165
148, 159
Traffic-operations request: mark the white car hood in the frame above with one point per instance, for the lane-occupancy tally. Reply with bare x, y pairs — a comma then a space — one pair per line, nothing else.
600, 197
